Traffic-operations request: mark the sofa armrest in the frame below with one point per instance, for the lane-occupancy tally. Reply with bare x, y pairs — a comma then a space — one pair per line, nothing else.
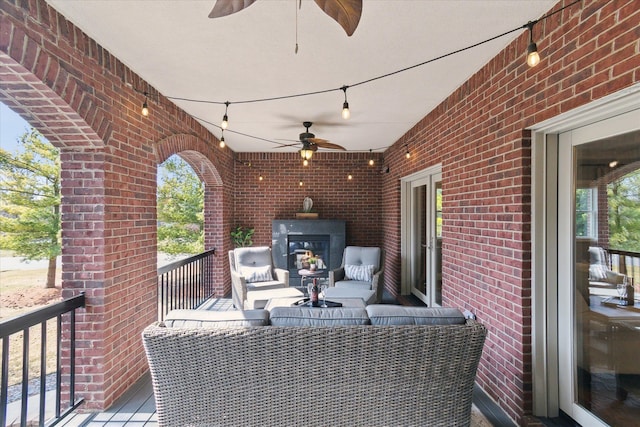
282, 275
336, 276
377, 285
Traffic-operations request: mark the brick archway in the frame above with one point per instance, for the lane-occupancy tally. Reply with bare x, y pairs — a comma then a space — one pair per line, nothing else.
197, 153
83, 100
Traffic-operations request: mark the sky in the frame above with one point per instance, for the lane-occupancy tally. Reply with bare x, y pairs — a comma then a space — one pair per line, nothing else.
11, 127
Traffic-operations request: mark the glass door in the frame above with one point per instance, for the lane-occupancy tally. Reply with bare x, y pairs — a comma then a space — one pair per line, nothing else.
599, 272
425, 237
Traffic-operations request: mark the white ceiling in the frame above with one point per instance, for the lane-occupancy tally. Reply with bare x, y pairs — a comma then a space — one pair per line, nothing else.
250, 55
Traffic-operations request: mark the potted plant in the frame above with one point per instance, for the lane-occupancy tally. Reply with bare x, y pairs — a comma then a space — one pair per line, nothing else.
313, 263
241, 236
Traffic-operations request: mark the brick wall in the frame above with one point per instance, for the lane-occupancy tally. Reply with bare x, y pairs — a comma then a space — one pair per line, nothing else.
479, 136
279, 195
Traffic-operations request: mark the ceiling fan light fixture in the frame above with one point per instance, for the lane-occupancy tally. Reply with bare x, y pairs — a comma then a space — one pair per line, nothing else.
306, 152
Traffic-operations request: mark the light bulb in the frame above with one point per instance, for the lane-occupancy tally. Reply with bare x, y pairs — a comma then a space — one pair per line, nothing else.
260, 178
305, 162
533, 58
371, 162
222, 144
345, 111
407, 154
349, 177
145, 109
300, 183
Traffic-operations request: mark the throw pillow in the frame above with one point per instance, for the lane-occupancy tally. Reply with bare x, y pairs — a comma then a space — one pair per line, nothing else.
257, 274
597, 272
361, 273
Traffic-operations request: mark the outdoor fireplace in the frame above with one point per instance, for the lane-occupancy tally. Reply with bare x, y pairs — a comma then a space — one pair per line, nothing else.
304, 247
295, 241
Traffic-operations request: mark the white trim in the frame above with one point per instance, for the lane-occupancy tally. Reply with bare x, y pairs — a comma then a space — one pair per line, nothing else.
405, 223
545, 355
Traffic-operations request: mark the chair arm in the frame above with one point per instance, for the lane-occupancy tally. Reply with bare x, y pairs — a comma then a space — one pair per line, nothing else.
336, 276
377, 285
282, 275
239, 290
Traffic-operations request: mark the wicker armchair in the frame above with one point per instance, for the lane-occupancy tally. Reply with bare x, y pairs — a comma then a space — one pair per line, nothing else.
252, 270
353, 273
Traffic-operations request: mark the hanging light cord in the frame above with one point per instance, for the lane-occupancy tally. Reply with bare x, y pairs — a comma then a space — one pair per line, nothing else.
402, 70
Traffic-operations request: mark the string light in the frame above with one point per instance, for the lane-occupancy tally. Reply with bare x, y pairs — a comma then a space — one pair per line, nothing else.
349, 177
145, 107
260, 178
305, 162
533, 57
225, 118
371, 161
222, 144
407, 154
363, 82
300, 183
345, 106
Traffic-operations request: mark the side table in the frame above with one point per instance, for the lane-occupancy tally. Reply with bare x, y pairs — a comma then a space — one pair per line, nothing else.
305, 274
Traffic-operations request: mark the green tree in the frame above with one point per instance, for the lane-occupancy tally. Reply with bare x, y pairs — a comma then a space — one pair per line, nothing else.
624, 212
30, 201
180, 209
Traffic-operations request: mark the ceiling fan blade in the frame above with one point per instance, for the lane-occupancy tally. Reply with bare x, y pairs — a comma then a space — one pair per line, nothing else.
344, 12
227, 7
323, 143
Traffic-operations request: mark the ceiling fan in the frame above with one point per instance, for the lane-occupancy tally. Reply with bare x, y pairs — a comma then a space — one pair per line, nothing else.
310, 143
344, 12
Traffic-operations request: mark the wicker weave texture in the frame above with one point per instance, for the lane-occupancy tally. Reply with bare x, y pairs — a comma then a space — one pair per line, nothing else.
314, 376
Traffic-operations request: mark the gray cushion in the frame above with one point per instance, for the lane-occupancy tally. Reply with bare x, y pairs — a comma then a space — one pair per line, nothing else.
258, 256
216, 319
317, 316
386, 314
358, 255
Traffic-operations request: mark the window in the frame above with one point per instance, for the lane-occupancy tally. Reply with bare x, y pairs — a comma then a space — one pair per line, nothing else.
587, 212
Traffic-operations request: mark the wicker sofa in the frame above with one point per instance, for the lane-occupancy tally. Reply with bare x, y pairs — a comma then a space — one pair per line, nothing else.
381, 365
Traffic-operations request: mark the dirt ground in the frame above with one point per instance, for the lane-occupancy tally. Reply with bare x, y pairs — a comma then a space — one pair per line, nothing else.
23, 291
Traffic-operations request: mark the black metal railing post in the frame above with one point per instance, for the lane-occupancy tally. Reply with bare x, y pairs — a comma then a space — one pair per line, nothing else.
22, 324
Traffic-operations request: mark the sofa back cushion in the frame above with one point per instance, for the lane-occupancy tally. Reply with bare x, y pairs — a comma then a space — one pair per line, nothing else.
386, 314
216, 319
317, 316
